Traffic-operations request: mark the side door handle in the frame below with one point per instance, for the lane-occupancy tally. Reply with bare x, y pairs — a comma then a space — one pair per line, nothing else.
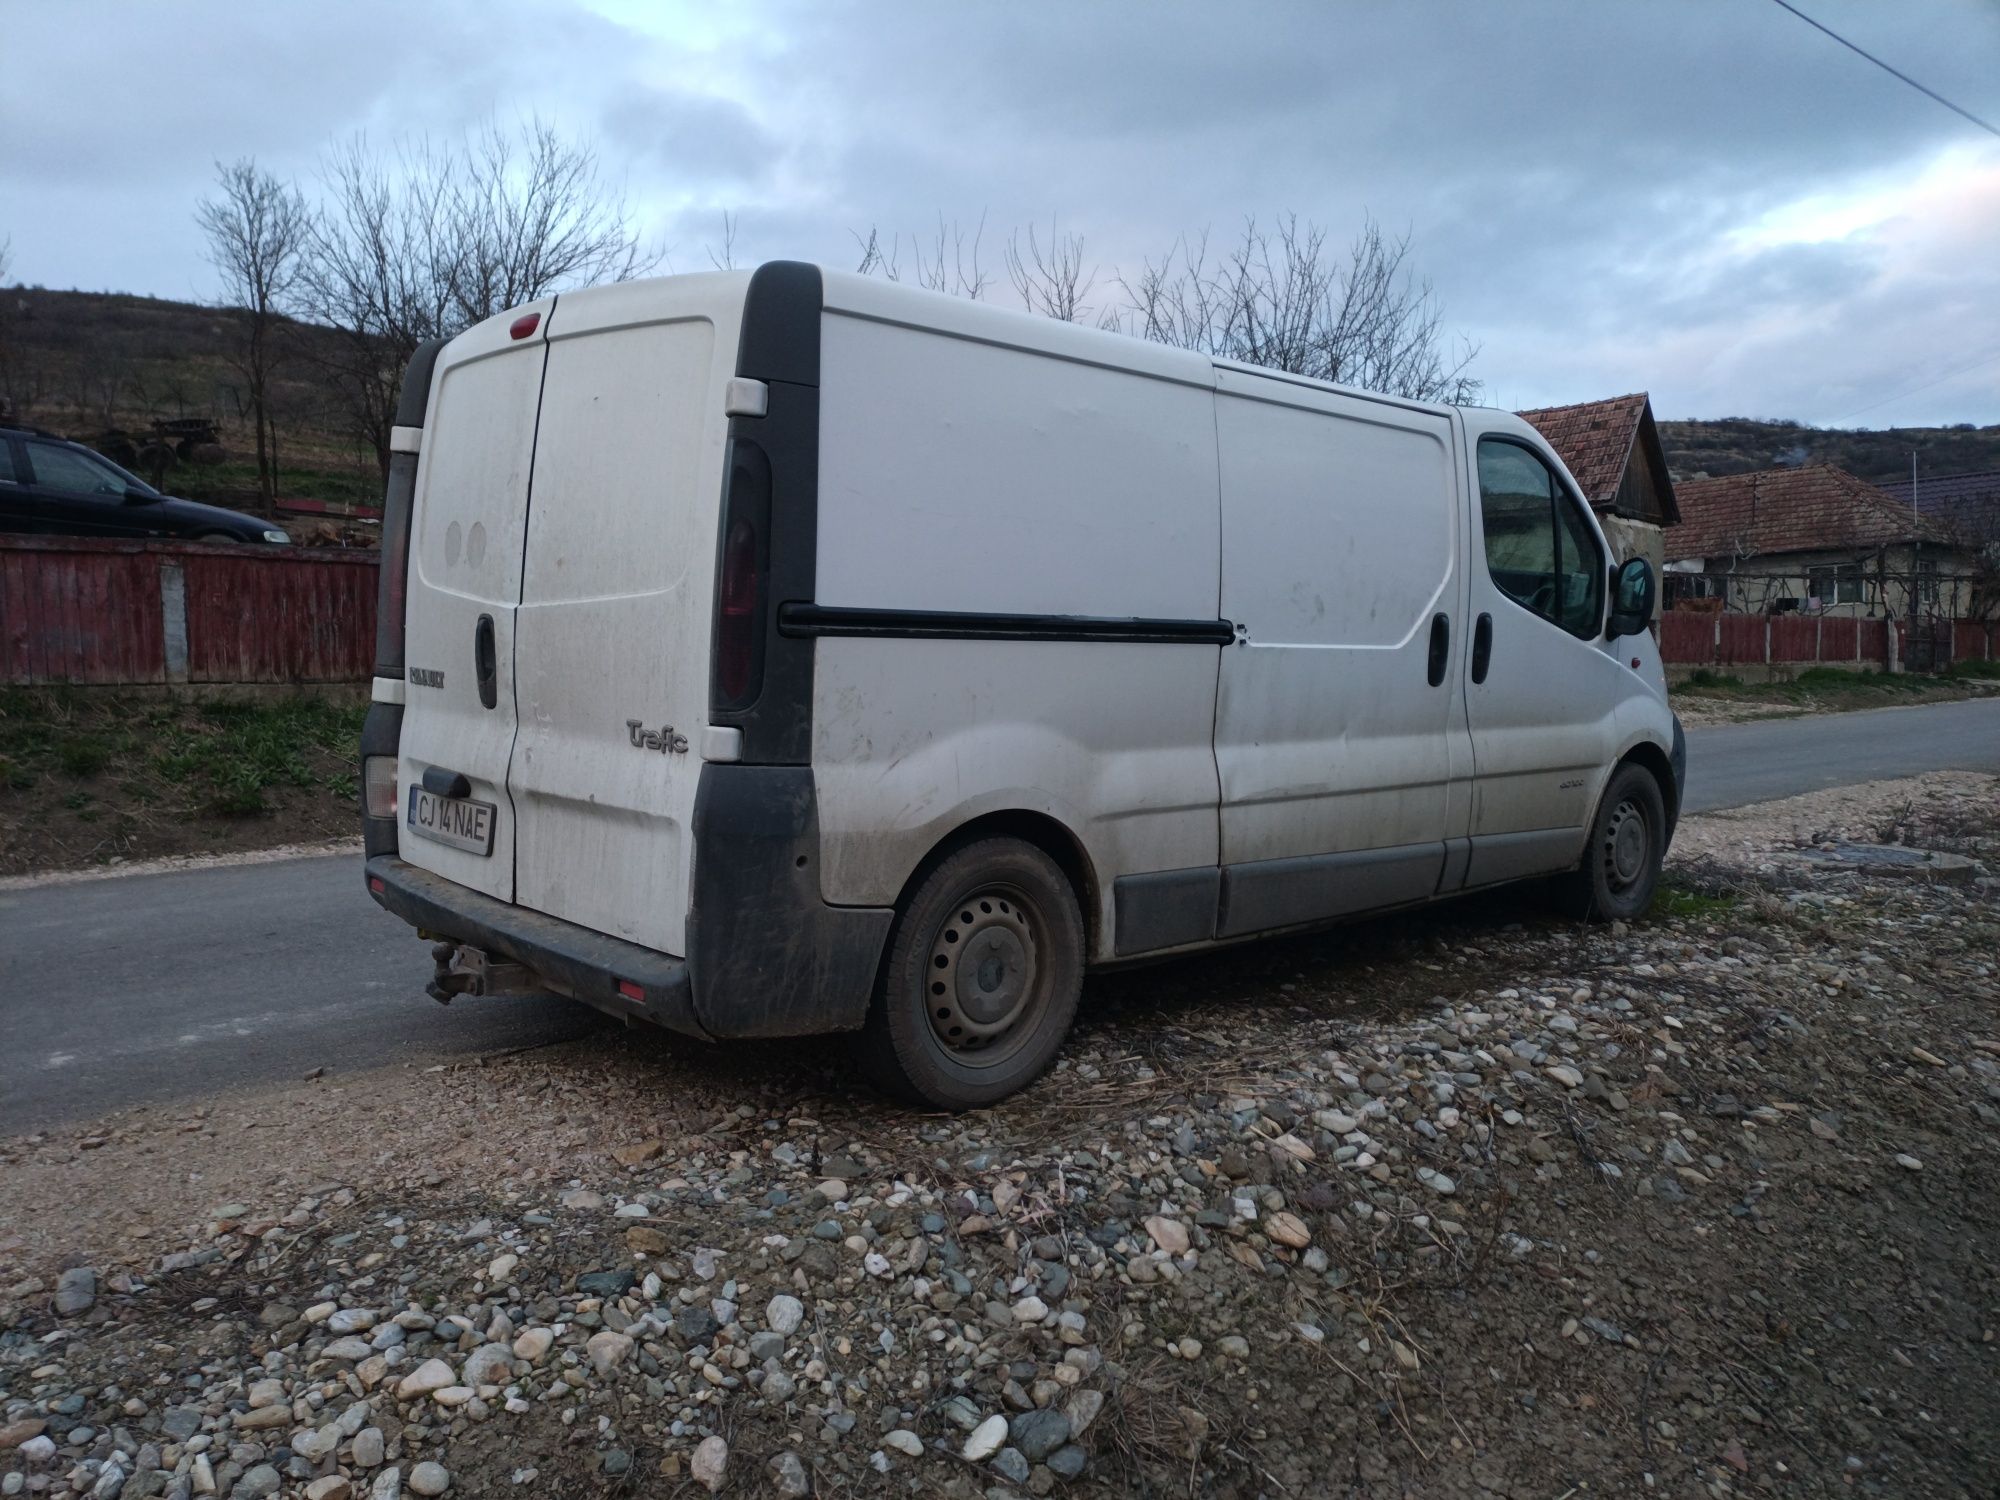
1440, 646
485, 665
1482, 647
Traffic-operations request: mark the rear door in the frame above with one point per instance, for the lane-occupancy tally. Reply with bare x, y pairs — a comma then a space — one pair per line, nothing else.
612, 651
1340, 727
466, 533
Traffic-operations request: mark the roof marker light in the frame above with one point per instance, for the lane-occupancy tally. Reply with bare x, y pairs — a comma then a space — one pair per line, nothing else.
524, 325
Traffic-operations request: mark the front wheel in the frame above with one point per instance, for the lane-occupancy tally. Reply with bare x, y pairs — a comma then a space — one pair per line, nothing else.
1621, 862
984, 970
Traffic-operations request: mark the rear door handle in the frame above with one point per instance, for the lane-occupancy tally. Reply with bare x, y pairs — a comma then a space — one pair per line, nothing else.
1482, 647
485, 664
1440, 646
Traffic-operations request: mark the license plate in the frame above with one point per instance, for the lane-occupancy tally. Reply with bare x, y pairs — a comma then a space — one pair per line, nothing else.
452, 820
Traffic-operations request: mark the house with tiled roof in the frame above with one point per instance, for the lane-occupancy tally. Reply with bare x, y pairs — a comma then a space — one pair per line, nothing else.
1612, 450
1968, 504
1816, 539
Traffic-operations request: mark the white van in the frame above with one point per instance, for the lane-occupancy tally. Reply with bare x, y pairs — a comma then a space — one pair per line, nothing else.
787, 652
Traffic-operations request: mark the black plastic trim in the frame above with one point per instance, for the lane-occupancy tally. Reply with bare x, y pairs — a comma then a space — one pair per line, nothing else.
779, 345
442, 781
1677, 762
1165, 909
768, 956
1270, 893
1499, 857
585, 964
381, 734
808, 621
399, 498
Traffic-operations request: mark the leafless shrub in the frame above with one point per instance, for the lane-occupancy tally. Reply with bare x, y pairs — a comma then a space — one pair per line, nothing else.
1052, 280
945, 263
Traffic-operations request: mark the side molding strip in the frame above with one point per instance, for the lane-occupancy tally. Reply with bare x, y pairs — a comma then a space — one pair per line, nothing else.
808, 621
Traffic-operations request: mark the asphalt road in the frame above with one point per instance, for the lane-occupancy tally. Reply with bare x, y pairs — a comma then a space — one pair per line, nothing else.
152, 988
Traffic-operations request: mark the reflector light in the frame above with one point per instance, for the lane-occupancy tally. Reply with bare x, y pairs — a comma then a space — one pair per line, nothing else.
630, 990
524, 325
736, 612
375, 884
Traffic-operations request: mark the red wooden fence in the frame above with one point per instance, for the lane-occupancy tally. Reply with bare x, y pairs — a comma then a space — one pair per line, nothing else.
1691, 638
118, 612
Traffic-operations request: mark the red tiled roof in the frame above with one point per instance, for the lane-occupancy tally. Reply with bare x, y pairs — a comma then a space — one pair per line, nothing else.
1787, 510
1599, 439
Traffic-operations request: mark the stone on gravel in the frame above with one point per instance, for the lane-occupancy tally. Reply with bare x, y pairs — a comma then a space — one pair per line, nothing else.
353, 1349
489, 1364
608, 1350
76, 1290
533, 1343
38, 1450
368, 1448
788, 1474
1038, 1433
985, 1440
388, 1484
16, 1433
330, 1487
783, 1314
710, 1464
431, 1375
905, 1441
1288, 1229
429, 1478
1082, 1410
1170, 1235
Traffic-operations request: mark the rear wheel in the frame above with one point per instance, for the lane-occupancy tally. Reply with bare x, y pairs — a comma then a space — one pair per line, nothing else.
981, 983
1621, 863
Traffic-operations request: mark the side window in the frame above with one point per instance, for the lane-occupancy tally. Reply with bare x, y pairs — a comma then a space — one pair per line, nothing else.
1539, 549
7, 474
66, 469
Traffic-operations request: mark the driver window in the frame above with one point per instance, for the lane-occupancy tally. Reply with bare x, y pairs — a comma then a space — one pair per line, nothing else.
66, 469
1539, 550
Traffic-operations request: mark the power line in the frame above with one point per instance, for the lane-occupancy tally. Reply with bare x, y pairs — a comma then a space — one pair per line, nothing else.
1977, 364
1932, 93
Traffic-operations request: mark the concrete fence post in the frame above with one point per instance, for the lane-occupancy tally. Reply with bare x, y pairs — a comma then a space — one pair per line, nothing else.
174, 618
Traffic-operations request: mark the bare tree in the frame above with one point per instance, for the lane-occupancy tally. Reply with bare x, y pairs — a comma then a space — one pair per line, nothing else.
1051, 280
422, 241
257, 228
1280, 299
950, 264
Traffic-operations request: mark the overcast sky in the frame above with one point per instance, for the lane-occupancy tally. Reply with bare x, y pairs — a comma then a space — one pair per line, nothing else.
1706, 199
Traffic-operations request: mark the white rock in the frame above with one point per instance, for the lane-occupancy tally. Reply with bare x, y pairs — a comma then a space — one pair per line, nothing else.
489, 1364
985, 1440
1169, 1234
876, 1263
502, 1267
430, 1478
1030, 1309
1565, 1075
1908, 1162
352, 1320
710, 1463
533, 1343
39, 1449
608, 1350
367, 1449
313, 1446
783, 1314
905, 1441
431, 1375
1436, 1181
319, 1312
388, 1484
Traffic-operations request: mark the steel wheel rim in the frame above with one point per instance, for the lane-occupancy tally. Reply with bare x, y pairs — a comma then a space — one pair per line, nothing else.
1628, 842
985, 984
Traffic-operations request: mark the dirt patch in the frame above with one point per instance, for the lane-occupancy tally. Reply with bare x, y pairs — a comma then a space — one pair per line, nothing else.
1711, 696
1466, 1203
96, 780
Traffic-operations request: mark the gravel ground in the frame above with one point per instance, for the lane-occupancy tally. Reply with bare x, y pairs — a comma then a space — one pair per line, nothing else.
1465, 1203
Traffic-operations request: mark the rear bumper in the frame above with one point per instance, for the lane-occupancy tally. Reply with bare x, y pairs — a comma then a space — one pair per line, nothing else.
598, 970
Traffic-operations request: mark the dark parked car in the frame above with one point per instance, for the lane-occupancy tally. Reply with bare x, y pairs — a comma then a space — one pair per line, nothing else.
50, 487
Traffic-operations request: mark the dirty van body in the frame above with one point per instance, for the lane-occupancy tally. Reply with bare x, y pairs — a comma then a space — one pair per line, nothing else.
788, 652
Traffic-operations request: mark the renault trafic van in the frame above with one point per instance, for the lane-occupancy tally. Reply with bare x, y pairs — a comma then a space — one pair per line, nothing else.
788, 652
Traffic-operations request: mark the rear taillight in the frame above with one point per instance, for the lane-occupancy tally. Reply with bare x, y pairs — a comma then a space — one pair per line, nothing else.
736, 614
378, 786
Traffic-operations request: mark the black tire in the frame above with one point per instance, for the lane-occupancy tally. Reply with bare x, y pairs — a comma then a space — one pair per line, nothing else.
981, 982
1621, 862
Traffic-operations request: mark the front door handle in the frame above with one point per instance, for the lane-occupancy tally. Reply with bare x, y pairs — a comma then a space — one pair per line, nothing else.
485, 665
1440, 646
1482, 647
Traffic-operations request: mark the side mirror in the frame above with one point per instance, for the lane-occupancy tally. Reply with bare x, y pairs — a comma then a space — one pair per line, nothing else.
136, 496
1633, 592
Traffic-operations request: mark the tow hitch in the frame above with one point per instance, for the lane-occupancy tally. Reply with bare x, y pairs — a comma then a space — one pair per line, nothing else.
464, 970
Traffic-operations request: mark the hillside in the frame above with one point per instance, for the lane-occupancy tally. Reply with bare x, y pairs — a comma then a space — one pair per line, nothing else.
1736, 445
85, 363
80, 363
